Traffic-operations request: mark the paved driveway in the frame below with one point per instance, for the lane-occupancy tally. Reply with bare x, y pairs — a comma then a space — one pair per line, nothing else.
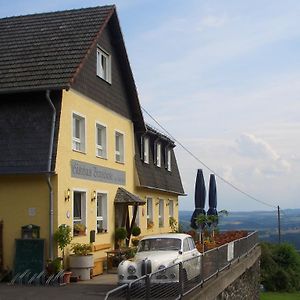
87, 290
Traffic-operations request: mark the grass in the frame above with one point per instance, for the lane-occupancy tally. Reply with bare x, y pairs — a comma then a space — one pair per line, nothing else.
279, 296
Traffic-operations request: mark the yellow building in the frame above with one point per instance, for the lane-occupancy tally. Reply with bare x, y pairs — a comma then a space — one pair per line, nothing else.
74, 145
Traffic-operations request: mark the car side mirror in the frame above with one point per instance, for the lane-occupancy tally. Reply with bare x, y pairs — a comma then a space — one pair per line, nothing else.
180, 252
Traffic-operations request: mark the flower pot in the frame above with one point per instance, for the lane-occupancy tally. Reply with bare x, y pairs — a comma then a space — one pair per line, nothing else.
67, 276
81, 265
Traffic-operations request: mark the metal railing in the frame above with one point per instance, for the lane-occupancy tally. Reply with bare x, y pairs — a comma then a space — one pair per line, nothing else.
187, 275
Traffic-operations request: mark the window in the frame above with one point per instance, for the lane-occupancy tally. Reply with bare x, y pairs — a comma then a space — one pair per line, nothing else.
185, 246
104, 65
168, 159
146, 150
171, 208
158, 154
149, 213
101, 217
78, 133
119, 144
161, 213
191, 244
101, 141
79, 209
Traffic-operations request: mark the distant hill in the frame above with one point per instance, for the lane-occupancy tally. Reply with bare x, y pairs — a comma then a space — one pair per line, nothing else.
265, 222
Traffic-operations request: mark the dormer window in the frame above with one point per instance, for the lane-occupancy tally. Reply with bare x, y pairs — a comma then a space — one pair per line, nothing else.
168, 159
146, 150
158, 154
103, 65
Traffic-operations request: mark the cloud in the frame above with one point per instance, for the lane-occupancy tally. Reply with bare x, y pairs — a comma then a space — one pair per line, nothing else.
254, 147
265, 159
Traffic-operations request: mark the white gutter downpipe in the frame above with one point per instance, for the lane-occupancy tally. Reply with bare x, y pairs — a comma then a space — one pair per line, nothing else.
51, 201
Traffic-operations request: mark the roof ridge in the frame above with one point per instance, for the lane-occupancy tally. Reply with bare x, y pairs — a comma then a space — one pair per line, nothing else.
60, 11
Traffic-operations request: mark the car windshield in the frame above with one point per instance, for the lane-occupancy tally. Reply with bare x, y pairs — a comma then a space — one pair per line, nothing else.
163, 244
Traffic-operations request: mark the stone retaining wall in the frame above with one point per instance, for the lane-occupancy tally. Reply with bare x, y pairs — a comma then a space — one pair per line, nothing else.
246, 287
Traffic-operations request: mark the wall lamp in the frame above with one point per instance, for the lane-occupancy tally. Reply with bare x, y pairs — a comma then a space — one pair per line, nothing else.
177, 203
93, 196
67, 195
157, 202
167, 203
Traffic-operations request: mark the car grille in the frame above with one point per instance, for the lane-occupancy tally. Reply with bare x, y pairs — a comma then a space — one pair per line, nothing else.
146, 267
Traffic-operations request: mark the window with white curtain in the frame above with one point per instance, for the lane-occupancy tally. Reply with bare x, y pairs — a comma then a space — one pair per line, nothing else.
119, 147
79, 208
101, 217
161, 212
103, 65
101, 141
146, 150
78, 133
158, 154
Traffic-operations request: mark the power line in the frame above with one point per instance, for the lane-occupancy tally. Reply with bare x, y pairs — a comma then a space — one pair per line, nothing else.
206, 166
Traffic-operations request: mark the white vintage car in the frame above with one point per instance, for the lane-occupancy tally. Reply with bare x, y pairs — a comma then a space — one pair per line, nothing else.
157, 253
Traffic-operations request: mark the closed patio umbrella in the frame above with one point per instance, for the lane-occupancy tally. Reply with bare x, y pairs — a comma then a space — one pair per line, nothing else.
200, 195
212, 202
212, 196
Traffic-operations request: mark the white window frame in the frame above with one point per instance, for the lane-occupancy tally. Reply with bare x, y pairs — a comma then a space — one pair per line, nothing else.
171, 208
168, 158
146, 149
149, 208
83, 204
104, 217
101, 148
103, 73
120, 154
79, 143
158, 154
161, 213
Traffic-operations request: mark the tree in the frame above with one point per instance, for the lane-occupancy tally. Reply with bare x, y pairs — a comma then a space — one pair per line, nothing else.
280, 267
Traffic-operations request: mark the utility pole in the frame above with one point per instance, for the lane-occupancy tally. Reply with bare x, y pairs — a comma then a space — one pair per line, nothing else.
279, 228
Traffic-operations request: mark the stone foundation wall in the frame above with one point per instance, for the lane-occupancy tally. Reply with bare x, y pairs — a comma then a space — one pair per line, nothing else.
246, 287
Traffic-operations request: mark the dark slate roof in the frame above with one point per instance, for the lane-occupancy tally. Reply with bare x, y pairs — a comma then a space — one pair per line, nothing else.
125, 197
151, 130
151, 176
42, 51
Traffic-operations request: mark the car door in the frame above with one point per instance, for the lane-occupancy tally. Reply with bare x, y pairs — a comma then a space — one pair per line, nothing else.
189, 257
195, 267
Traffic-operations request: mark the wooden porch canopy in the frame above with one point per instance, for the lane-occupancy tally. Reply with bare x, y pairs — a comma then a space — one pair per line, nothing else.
124, 199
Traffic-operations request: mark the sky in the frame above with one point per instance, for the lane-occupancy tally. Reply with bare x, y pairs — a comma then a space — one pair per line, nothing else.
223, 78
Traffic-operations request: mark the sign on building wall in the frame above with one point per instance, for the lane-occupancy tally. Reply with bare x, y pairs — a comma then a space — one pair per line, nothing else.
88, 171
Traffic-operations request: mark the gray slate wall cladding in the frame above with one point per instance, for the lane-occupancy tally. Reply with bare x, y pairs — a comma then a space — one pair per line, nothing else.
152, 176
114, 95
25, 125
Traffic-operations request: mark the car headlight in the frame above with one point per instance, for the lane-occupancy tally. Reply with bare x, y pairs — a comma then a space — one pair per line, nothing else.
131, 269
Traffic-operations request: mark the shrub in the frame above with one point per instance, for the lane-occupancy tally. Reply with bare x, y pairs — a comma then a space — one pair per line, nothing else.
280, 267
136, 231
120, 233
81, 248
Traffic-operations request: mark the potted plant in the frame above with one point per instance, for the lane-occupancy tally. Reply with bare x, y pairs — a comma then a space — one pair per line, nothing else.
136, 231
79, 229
81, 261
63, 238
120, 236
